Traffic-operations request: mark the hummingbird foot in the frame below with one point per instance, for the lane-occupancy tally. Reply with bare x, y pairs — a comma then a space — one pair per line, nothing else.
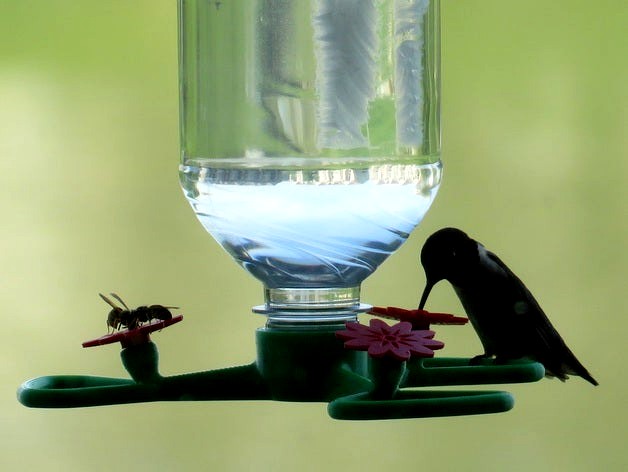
477, 360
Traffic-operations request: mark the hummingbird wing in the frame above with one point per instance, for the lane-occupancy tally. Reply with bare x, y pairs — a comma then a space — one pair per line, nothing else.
546, 344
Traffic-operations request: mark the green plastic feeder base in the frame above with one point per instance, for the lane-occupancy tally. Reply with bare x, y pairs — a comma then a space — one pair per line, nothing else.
309, 365
420, 404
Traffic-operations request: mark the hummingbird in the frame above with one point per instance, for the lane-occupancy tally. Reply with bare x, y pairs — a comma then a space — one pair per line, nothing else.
507, 318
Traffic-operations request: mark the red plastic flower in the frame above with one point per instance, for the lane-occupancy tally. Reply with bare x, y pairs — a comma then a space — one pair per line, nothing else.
133, 337
420, 319
398, 341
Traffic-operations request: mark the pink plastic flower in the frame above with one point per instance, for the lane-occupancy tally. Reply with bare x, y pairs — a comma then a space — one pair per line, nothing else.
398, 341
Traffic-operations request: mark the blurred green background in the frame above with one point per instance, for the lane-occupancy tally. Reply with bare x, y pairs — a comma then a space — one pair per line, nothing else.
536, 153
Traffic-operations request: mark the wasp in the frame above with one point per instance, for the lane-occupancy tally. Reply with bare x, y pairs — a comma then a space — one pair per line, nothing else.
119, 317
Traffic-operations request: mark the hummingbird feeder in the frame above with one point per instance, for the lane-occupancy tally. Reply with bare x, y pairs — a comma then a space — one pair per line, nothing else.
310, 150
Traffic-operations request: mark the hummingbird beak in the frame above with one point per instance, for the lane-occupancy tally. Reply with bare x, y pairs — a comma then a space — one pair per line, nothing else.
426, 292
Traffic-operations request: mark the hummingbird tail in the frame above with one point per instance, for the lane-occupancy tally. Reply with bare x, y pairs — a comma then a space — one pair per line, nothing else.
572, 366
586, 376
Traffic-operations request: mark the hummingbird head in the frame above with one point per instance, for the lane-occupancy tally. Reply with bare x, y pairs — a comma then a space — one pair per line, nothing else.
447, 254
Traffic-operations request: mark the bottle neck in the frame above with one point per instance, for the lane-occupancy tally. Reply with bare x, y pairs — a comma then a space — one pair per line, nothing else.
311, 307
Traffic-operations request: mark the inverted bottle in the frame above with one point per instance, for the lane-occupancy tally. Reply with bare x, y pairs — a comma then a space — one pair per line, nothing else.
310, 139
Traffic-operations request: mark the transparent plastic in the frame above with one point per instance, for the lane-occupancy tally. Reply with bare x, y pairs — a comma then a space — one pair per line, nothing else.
310, 135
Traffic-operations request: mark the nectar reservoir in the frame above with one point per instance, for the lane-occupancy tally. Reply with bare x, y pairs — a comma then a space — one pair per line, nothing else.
310, 136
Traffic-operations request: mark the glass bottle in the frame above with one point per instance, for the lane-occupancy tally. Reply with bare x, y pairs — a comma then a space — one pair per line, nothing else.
310, 139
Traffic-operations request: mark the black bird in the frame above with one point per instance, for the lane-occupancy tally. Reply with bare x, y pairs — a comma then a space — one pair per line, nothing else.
508, 320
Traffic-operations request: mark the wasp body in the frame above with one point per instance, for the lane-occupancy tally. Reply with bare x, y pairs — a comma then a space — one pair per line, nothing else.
124, 317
